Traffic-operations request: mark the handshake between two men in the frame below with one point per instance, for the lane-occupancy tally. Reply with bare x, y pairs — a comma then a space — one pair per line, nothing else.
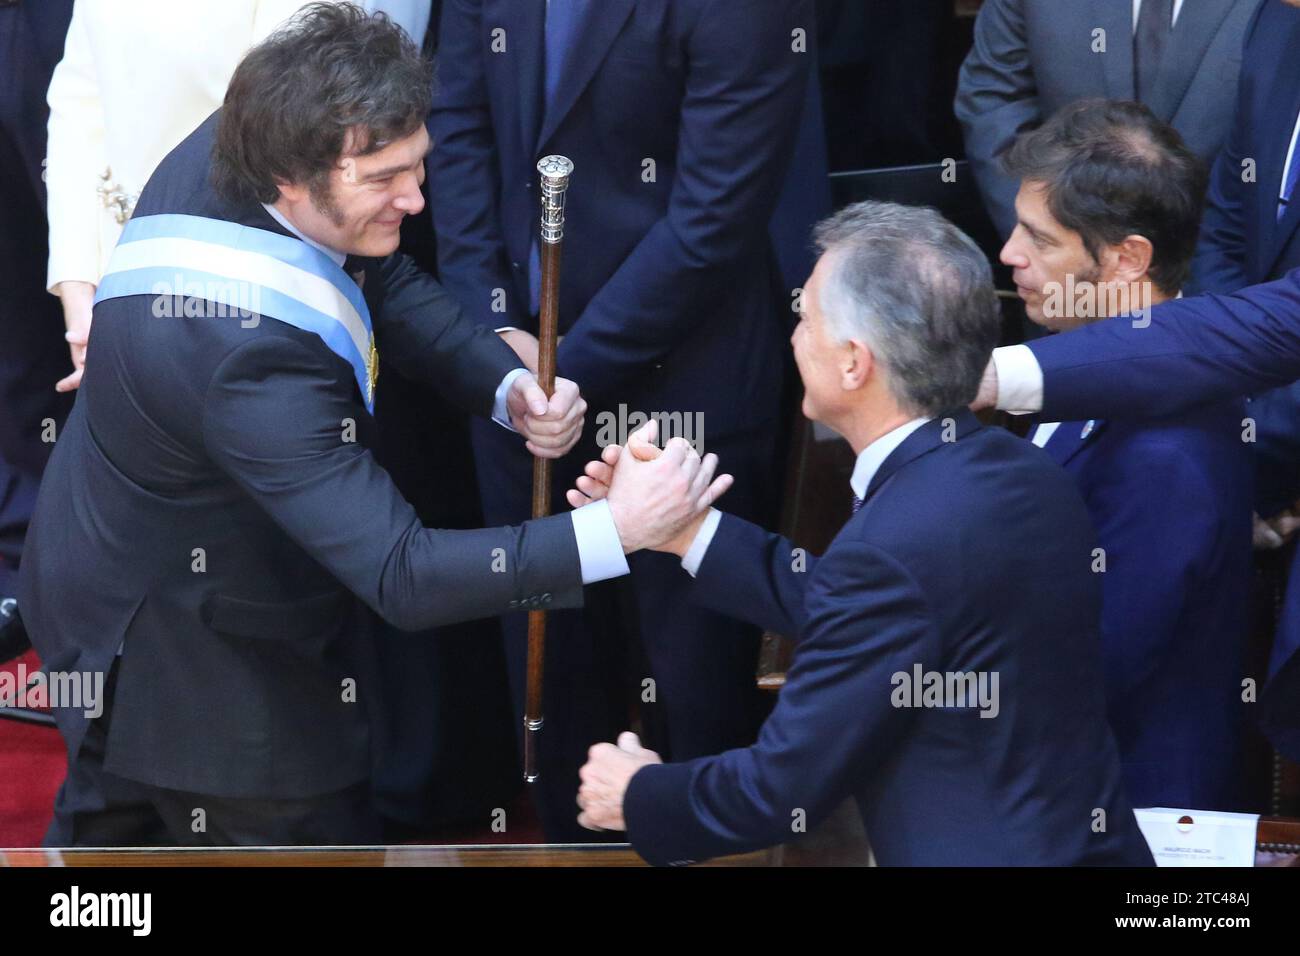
659, 499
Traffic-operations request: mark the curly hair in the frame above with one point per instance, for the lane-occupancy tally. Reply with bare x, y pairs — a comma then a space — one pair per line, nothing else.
333, 78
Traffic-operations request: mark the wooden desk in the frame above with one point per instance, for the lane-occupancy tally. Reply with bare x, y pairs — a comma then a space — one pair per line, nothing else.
1277, 844
575, 855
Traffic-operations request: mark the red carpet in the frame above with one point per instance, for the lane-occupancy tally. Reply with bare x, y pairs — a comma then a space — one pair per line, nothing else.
32, 764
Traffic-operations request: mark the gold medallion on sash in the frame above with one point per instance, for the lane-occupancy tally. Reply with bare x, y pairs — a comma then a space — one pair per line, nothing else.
372, 370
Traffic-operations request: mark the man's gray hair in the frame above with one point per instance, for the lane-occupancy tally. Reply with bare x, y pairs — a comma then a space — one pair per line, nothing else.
918, 292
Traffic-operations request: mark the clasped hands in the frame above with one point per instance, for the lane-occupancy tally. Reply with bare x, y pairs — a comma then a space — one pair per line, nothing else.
658, 500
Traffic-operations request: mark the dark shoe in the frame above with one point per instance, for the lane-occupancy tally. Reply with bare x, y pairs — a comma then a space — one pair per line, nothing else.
13, 636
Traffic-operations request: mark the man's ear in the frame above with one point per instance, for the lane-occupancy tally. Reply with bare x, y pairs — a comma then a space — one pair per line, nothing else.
291, 192
1131, 259
856, 365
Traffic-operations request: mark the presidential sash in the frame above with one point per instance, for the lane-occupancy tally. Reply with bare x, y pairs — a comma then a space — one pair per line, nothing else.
247, 271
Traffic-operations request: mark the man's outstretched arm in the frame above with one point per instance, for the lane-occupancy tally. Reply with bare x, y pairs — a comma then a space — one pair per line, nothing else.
1193, 351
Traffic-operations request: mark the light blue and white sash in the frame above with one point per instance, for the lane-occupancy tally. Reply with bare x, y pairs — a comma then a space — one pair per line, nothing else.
248, 270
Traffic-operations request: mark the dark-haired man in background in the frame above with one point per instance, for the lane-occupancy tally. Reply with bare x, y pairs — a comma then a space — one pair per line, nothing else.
212, 519
1107, 212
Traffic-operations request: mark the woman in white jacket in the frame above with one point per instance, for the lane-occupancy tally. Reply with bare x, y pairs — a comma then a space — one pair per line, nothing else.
137, 76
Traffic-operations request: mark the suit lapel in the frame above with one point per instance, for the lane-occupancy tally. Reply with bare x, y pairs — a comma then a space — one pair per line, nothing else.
1197, 26
1116, 18
1275, 140
600, 26
944, 429
1070, 438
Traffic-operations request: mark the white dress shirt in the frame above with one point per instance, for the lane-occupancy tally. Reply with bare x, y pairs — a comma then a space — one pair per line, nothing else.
1137, 12
864, 469
1286, 166
1044, 432
600, 552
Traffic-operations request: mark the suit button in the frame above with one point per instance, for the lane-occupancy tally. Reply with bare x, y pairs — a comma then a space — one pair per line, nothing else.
528, 184
515, 266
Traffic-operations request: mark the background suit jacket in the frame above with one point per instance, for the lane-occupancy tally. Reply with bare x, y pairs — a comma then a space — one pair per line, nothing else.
670, 296
968, 555
1242, 242
1195, 350
1031, 57
203, 433
1171, 504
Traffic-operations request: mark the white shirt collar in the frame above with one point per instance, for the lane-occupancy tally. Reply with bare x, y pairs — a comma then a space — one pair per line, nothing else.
1137, 12
279, 217
873, 456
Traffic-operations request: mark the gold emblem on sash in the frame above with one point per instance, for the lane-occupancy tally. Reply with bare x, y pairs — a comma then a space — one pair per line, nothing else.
372, 370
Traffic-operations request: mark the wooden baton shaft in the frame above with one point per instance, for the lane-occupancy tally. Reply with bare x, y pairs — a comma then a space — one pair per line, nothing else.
555, 171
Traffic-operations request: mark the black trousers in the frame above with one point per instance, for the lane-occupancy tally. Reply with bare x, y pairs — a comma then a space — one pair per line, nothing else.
97, 808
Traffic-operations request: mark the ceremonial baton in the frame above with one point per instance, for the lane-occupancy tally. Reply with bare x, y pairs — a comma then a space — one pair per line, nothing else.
555, 172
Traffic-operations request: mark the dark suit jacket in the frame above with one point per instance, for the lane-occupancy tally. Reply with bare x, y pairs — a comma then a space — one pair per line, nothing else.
670, 295
1242, 243
1031, 57
201, 433
1171, 504
973, 555
1195, 350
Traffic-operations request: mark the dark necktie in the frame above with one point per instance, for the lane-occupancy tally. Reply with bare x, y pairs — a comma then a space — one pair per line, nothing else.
1289, 180
562, 19
1155, 24
857, 503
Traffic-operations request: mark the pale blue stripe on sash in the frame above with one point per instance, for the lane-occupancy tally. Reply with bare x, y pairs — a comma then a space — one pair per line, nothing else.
161, 280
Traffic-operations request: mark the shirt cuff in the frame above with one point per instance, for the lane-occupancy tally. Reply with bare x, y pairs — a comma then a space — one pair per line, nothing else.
600, 551
1020, 380
694, 556
500, 407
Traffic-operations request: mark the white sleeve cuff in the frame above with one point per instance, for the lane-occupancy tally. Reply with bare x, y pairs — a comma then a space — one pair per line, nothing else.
1020, 380
500, 407
694, 556
600, 551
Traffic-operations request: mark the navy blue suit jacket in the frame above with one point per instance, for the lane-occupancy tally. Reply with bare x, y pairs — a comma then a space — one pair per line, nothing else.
1171, 504
670, 294
1196, 350
969, 555
1242, 242
230, 436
